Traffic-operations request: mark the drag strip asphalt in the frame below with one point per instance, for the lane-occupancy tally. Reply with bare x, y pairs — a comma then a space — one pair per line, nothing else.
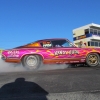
23, 85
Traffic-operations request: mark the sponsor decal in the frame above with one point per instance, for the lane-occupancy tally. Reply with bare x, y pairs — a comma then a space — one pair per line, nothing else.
73, 52
12, 56
82, 60
60, 52
13, 53
47, 44
70, 52
81, 37
74, 61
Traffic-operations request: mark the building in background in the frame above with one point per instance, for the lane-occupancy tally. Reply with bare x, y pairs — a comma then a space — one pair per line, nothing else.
88, 35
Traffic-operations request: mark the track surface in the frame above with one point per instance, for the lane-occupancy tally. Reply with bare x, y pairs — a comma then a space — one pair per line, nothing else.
41, 84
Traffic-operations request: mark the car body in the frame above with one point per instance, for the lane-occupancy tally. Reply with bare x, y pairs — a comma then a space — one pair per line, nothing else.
51, 51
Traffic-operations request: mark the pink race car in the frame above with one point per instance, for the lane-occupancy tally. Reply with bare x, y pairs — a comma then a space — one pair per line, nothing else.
51, 51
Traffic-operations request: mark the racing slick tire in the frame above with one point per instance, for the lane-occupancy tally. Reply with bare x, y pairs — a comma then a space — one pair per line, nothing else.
93, 60
32, 62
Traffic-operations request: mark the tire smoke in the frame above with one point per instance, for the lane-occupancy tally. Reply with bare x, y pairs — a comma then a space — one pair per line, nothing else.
13, 67
54, 66
10, 67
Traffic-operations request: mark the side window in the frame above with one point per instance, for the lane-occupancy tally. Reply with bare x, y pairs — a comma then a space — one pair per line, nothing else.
67, 44
92, 43
61, 43
91, 31
95, 32
87, 31
46, 44
99, 32
89, 43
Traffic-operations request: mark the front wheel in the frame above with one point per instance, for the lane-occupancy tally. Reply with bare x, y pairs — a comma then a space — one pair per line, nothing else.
32, 62
93, 60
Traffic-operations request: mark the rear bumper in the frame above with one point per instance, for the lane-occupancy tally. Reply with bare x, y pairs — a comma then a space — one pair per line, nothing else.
11, 60
3, 57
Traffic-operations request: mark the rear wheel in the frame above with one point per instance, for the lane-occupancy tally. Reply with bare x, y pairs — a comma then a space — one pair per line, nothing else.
32, 62
93, 60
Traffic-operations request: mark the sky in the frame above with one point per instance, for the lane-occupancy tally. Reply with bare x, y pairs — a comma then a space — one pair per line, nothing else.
25, 21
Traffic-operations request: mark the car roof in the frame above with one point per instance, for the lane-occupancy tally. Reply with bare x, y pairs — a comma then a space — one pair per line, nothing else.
51, 39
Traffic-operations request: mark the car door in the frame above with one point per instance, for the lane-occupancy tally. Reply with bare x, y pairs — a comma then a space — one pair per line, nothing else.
69, 53
48, 50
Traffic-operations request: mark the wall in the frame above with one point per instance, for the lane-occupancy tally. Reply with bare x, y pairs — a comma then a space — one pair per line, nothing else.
78, 32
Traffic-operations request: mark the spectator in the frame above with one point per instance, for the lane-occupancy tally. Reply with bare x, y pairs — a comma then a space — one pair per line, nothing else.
82, 45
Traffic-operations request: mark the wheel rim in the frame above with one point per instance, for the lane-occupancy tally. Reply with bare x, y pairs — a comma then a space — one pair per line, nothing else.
93, 59
31, 62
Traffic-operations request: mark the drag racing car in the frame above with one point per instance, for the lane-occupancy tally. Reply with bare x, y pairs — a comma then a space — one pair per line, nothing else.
51, 51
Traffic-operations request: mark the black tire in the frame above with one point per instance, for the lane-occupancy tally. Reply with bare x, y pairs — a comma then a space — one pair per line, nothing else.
32, 65
95, 61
